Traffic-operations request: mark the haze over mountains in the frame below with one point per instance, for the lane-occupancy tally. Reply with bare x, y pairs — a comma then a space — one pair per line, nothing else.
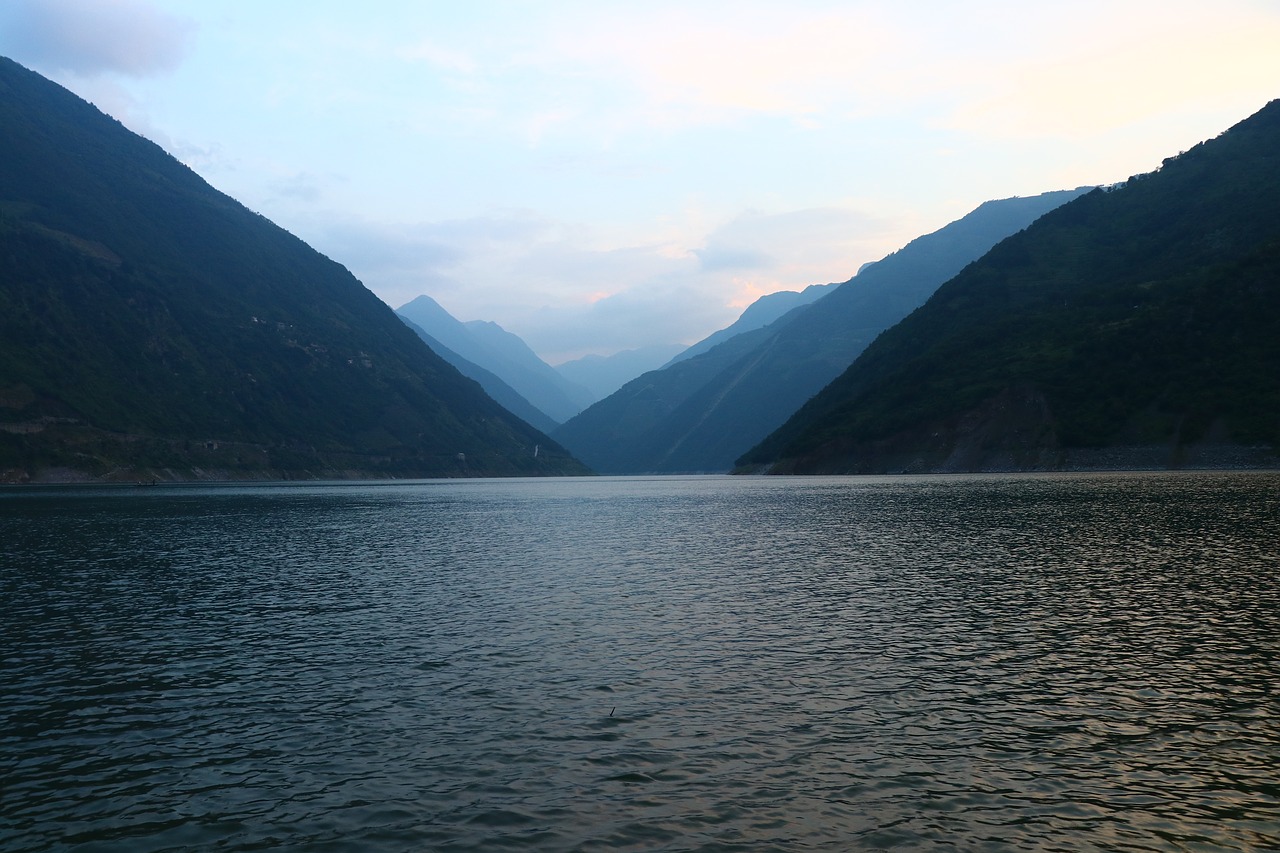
151, 326
1136, 327
545, 396
758, 314
702, 412
497, 353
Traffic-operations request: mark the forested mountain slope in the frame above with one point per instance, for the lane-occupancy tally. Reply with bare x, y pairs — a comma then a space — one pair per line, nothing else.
152, 326
1135, 327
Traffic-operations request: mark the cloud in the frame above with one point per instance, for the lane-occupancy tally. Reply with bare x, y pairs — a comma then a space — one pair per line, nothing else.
666, 309
679, 65
446, 59
392, 256
715, 258
788, 242
1136, 62
612, 70
474, 256
604, 175
301, 186
91, 37
1010, 69
570, 289
200, 158
556, 284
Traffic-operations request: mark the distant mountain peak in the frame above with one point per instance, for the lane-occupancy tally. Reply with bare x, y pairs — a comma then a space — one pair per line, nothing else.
486, 344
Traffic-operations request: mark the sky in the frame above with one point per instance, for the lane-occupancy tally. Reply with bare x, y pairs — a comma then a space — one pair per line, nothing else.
600, 176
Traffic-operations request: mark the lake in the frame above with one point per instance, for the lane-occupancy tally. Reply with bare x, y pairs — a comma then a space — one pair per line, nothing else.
1024, 662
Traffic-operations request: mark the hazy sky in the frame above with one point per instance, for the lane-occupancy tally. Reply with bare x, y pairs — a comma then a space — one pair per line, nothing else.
596, 176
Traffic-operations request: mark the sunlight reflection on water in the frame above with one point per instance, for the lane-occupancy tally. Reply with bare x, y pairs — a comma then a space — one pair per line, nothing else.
1003, 663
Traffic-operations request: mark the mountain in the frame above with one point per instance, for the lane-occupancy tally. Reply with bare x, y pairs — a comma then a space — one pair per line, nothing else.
758, 314
604, 374
1133, 328
501, 392
702, 413
151, 326
503, 354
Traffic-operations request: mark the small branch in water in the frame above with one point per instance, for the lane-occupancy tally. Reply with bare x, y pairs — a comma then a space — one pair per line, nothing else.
615, 707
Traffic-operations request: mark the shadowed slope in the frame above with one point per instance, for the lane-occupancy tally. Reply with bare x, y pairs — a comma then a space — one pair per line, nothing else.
1135, 327
149, 323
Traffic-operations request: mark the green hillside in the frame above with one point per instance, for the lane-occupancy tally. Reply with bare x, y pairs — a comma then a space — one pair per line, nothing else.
1135, 327
152, 326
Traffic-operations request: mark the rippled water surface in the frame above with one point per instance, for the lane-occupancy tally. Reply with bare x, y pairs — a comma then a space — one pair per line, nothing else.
983, 663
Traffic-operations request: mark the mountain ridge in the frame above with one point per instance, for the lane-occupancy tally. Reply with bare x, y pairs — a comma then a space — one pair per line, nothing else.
1133, 327
700, 414
493, 385
153, 326
502, 353
760, 313
604, 374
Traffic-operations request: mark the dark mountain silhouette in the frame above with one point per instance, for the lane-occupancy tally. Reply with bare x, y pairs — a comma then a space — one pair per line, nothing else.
503, 354
152, 326
702, 413
1136, 327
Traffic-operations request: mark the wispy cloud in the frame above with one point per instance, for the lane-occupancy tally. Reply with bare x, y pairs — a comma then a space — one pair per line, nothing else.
762, 241
446, 59
698, 63
90, 37
1002, 67
614, 69
571, 289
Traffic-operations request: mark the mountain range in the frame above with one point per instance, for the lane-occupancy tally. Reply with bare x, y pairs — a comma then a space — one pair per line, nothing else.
502, 393
1135, 327
151, 326
700, 413
762, 312
514, 375
604, 374
503, 354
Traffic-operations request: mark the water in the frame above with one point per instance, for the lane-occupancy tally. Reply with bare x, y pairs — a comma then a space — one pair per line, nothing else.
982, 663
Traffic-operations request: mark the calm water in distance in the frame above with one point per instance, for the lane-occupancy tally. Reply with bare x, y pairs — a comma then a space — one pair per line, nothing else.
1086, 662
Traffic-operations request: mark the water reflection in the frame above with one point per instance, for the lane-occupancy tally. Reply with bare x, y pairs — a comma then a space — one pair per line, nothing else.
1005, 663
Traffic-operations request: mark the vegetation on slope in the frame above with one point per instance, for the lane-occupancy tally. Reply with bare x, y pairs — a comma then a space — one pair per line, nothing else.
149, 322
1140, 316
